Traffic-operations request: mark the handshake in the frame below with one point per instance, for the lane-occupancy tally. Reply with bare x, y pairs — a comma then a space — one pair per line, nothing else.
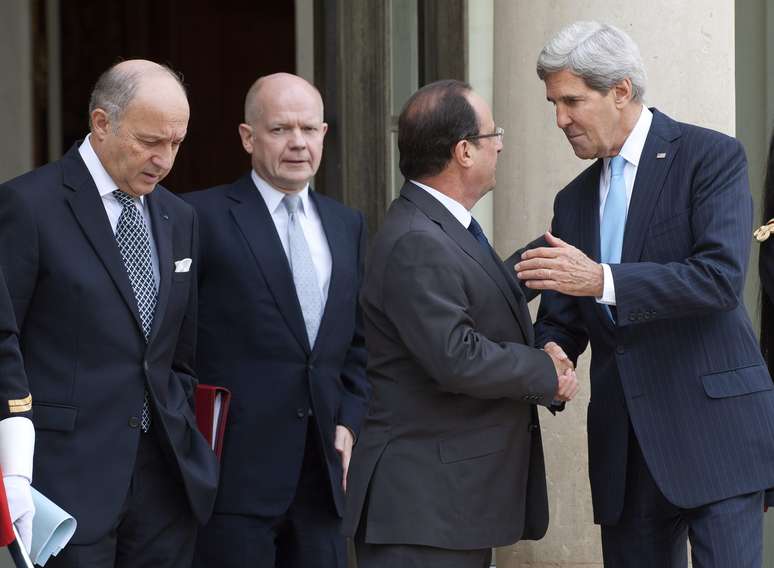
567, 386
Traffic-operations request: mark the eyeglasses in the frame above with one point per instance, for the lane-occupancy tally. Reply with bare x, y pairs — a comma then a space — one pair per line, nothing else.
499, 131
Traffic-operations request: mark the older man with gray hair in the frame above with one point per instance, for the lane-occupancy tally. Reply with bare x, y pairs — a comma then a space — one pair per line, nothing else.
646, 260
100, 263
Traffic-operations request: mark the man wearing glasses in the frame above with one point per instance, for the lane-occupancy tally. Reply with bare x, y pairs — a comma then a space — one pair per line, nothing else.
449, 462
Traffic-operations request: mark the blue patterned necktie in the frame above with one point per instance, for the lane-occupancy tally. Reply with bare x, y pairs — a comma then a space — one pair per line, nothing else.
475, 229
611, 229
134, 243
304, 273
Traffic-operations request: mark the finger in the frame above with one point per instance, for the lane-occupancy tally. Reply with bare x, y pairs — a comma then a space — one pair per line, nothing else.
555, 241
543, 252
542, 284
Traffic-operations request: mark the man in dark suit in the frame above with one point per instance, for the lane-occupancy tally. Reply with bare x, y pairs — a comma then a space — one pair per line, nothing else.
280, 326
650, 248
17, 434
100, 263
450, 461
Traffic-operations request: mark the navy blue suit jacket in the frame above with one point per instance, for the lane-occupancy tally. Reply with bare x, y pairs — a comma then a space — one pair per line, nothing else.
682, 363
252, 340
84, 351
14, 389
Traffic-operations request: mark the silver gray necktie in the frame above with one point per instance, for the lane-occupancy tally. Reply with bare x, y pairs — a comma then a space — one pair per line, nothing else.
304, 273
134, 244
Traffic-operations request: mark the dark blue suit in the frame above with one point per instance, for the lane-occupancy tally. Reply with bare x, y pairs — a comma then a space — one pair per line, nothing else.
252, 340
85, 354
682, 364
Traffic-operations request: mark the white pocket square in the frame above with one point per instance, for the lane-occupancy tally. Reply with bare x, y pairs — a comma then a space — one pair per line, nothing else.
183, 265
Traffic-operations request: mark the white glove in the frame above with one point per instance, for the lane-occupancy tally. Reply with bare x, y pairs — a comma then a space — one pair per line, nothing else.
20, 505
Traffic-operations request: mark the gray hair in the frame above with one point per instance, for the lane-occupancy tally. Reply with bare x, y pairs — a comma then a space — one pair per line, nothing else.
117, 86
601, 54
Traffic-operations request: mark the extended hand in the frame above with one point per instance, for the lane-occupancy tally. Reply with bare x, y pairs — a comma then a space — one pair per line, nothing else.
20, 506
561, 267
343, 442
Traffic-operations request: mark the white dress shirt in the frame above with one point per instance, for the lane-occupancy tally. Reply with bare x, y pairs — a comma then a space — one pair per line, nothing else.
311, 225
631, 152
106, 186
455, 207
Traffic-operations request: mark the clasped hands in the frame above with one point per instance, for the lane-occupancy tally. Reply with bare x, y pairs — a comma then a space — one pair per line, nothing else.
567, 381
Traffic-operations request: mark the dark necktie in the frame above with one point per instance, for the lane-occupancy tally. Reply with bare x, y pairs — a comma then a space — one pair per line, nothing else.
134, 243
475, 229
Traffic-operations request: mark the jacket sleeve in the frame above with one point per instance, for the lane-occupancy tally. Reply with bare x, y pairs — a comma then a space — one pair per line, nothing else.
425, 297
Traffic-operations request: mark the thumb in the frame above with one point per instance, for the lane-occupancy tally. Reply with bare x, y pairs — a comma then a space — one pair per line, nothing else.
555, 241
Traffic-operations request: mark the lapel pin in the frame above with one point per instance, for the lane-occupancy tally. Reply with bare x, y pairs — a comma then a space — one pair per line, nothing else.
165, 217
661, 155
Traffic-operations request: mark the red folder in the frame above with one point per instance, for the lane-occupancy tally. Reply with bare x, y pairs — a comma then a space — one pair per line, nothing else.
211, 411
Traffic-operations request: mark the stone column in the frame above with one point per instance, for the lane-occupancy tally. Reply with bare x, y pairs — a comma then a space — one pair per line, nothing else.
688, 50
15, 88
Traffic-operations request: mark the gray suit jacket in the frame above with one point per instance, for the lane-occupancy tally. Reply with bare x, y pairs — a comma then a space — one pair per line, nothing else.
450, 454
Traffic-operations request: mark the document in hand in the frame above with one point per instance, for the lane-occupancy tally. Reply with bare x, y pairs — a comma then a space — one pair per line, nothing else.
52, 529
212, 404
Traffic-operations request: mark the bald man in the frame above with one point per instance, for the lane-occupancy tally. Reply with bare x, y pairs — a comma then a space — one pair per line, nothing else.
100, 263
279, 324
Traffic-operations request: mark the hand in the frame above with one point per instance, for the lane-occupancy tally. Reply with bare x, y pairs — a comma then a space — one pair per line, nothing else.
561, 267
567, 386
343, 442
567, 381
559, 357
20, 505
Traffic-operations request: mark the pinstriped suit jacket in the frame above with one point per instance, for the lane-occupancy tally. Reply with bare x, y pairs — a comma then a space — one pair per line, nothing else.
681, 364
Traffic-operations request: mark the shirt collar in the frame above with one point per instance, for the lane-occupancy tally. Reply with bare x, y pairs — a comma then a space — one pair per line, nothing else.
273, 197
635, 142
103, 181
456, 208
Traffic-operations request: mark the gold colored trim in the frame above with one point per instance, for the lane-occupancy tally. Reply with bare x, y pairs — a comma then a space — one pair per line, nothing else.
763, 232
20, 405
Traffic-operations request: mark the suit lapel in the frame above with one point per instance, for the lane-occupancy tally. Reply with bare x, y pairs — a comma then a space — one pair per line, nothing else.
662, 140
86, 204
468, 243
257, 226
162, 234
337, 243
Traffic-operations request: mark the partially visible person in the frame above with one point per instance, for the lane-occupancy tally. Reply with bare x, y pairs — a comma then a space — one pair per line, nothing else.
280, 325
17, 434
100, 262
647, 261
450, 460
766, 262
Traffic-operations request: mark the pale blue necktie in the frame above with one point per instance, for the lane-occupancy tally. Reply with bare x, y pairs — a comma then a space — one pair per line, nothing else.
611, 230
304, 273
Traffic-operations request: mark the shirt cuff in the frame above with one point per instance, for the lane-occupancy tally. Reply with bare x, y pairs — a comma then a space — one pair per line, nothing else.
17, 446
608, 288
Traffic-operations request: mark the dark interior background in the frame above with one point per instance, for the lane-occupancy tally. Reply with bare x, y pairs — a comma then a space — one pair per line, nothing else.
219, 48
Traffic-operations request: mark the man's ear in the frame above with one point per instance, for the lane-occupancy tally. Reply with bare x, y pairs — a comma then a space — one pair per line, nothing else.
246, 134
462, 153
100, 123
623, 92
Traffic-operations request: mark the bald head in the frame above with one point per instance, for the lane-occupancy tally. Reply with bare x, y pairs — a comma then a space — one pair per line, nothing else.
273, 87
120, 84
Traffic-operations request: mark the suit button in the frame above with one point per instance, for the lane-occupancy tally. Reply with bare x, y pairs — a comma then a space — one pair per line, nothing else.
301, 413
134, 422
632, 317
310, 367
145, 365
620, 349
